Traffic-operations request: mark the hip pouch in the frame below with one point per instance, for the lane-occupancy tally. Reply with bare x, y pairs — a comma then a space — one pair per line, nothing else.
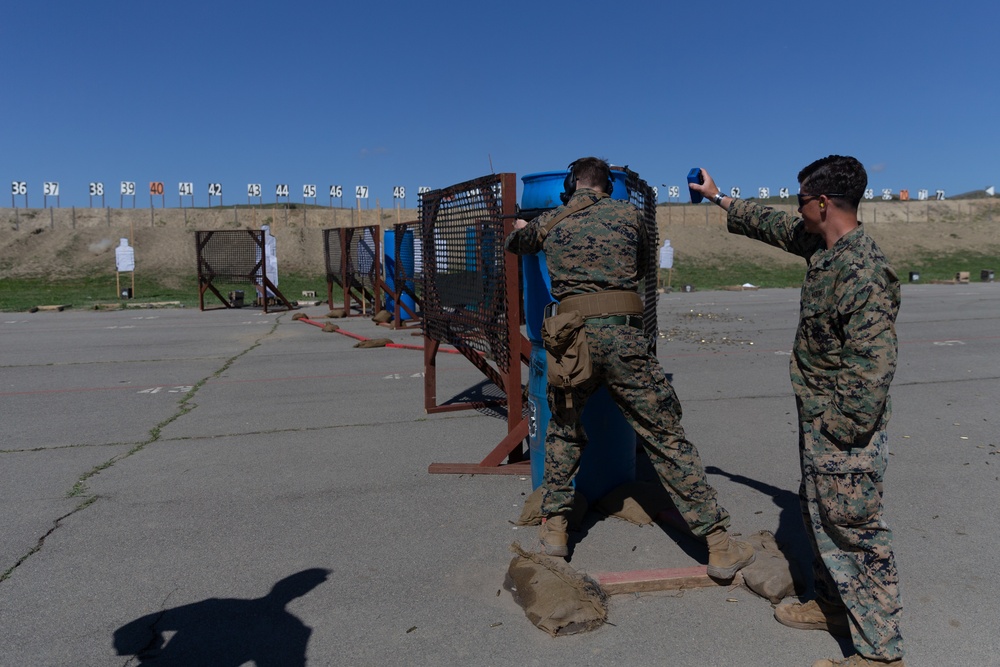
567, 354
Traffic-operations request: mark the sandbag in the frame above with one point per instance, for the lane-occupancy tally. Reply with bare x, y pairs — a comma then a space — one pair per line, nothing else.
637, 502
373, 342
330, 327
771, 575
382, 316
555, 597
531, 513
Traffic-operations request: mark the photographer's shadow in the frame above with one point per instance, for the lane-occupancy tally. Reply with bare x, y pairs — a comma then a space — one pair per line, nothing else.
225, 632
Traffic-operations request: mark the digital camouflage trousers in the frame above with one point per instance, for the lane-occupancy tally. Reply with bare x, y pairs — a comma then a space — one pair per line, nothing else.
623, 363
841, 499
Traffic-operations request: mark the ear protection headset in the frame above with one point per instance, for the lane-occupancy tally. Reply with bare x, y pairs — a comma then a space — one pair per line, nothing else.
569, 183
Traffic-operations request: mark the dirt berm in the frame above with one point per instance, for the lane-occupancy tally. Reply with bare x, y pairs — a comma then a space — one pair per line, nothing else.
70, 242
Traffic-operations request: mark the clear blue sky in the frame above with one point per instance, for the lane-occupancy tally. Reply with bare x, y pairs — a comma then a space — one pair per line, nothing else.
426, 94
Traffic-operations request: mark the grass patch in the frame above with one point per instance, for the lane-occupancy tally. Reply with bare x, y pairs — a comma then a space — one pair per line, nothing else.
87, 292
718, 272
944, 266
725, 271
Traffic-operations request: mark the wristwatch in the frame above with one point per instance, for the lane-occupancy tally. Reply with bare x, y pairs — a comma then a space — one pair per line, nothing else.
717, 199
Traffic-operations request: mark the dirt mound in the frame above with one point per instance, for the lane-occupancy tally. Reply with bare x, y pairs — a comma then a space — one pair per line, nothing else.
67, 243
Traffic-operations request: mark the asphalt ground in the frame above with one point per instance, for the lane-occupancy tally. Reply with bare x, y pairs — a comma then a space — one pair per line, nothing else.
168, 468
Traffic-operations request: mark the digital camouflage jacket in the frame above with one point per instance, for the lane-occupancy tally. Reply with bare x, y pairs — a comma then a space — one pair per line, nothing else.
602, 247
844, 354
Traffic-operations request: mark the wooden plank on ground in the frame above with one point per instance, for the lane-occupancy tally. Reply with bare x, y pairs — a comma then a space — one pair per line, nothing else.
668, 579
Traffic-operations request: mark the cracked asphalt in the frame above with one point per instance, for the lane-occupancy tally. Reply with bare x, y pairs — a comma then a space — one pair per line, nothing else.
233, 487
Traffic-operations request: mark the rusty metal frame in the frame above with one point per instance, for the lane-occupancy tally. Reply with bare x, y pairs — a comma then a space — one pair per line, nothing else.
255, 275
506, 374
341, 270
399, 280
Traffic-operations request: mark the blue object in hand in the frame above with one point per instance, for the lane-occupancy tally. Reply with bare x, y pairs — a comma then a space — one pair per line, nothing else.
694, 176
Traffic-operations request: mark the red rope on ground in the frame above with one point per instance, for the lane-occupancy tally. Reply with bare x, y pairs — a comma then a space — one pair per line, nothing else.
355, 336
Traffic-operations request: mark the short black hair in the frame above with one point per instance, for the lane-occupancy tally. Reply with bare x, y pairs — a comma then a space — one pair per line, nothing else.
592, 170
835, 174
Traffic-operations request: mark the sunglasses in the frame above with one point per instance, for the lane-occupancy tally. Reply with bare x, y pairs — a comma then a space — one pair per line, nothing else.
805, 199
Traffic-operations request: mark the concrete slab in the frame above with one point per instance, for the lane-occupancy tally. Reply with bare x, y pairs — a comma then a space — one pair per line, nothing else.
296, 451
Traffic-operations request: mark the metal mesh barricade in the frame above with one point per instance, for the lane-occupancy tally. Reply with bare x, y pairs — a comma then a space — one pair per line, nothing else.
353, 262
641, 195
404, 274
463, 255
234, 258
470, 299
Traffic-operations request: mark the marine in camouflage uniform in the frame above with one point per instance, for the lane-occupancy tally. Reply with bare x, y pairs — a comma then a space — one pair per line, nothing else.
843, 359
604, 247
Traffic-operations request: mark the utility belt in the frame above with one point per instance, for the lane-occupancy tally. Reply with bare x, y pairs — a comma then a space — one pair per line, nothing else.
607, 307
564, 338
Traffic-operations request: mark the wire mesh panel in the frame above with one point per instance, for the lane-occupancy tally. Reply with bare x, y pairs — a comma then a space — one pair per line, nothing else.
232, 256
404, 266
641, 195
351, 255
462, 247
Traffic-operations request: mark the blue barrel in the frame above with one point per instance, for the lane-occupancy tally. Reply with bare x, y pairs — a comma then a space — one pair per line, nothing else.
609, 459
542, 189
406, 257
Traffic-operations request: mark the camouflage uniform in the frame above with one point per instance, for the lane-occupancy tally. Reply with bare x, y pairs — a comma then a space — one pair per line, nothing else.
604, 248
843, 360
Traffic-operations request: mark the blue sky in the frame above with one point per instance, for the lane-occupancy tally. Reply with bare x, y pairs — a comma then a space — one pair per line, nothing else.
390, 94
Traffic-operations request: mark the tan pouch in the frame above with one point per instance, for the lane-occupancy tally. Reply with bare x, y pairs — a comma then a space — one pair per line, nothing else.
567, 353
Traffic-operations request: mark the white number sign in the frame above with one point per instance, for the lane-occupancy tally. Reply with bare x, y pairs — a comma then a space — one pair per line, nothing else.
215, 189
18, 188
734, 193
361, 191
399, 192
336, 191
656, 193
97, 189
281, 190
783, 193
922, 195
423, 189
887, 194
309, 191
185, 189
939, 195
128, 188
870, 193
674, 191
253, 190
763, 193
50, 189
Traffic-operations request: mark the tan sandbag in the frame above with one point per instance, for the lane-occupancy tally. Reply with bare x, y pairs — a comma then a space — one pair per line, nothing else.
531, 513
382, 316
373, 342
336, 314
771, 575
299, 316
555, 597
330, 327
636, 502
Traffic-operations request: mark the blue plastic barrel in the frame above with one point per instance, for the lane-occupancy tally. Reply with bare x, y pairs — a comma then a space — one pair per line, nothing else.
542, 189
406, 257
609, 459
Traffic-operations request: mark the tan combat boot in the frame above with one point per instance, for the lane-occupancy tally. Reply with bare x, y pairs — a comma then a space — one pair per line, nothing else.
555, 536
859, 661
727, 556
814, 615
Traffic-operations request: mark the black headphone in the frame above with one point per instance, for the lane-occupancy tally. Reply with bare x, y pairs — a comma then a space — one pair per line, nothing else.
569, 183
